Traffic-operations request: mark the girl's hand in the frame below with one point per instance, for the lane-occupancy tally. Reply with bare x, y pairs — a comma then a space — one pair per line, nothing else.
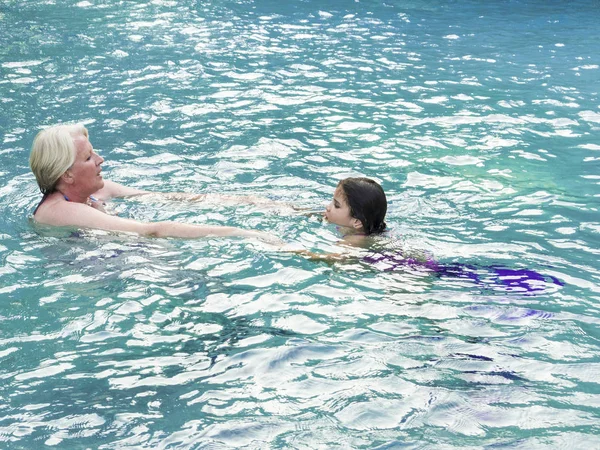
312, 256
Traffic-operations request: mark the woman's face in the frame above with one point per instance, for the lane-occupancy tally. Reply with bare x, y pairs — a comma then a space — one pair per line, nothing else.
86, 168
338, 211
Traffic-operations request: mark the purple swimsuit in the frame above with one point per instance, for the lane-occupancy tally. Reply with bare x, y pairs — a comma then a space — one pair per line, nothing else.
520, 280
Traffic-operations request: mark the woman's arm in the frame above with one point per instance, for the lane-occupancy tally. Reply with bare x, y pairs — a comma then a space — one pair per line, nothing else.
83, 216
112, 190
225, 199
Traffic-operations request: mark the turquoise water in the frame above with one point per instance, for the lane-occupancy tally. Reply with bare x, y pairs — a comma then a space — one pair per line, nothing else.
480, 120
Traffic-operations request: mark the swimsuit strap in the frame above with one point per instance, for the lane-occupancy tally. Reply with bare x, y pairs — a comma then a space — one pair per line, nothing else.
40, 203
91, 197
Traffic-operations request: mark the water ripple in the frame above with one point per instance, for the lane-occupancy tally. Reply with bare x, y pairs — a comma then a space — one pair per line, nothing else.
477, 121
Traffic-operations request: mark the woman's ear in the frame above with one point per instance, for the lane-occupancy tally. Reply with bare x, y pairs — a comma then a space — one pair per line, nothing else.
67, 177
356, 224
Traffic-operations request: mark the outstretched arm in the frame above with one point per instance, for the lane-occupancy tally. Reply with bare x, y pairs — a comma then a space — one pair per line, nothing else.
81, 215
112, 190
348, 249
324, 257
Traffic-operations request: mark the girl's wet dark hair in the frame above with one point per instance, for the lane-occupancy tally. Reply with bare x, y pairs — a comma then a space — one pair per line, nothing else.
367, 203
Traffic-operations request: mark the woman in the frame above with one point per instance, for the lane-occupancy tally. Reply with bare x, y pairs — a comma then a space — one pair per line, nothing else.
68, 172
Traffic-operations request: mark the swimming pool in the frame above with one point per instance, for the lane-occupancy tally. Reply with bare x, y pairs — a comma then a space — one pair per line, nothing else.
481, 122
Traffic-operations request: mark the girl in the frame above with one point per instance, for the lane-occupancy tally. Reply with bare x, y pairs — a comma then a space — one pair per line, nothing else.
358, 208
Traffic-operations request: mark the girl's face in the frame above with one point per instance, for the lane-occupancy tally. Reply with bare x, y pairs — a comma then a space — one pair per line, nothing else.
338, 212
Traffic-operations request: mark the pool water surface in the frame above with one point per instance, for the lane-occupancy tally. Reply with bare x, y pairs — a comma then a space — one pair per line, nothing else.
479, 119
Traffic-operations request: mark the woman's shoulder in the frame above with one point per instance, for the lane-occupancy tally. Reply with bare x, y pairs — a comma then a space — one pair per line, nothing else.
56, 210
45, 207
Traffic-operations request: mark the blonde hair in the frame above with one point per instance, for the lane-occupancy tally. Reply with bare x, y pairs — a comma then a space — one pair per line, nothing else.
52, 153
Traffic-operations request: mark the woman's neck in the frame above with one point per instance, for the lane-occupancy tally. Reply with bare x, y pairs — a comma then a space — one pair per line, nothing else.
74, 197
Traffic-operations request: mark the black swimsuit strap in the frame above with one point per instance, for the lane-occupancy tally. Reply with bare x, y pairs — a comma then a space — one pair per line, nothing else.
40, 203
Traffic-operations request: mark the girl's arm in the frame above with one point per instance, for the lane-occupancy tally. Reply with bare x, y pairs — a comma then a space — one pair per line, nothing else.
325, 257
348, 246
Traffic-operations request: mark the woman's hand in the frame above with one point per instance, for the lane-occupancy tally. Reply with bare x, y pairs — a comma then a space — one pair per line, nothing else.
98, 204
265, 237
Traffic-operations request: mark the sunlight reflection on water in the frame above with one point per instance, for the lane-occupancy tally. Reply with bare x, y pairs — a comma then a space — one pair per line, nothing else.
479, 123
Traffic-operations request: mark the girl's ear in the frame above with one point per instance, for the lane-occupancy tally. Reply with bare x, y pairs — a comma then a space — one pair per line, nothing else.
356, 224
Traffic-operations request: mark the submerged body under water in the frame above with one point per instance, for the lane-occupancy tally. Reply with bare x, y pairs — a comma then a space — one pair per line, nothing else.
519, 280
